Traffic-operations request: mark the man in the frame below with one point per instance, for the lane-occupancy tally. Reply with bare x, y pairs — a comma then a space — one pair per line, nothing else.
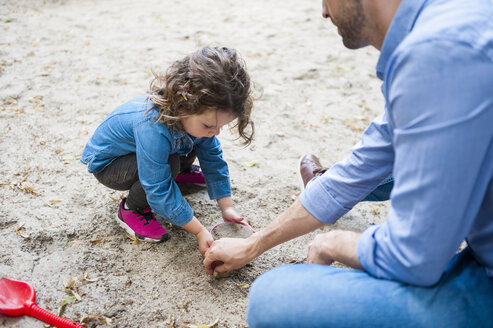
436, 140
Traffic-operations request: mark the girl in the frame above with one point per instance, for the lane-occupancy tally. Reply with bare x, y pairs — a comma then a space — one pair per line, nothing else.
149, 143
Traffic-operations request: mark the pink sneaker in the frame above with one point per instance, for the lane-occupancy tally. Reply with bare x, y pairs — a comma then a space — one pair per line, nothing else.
142, 224
194, 175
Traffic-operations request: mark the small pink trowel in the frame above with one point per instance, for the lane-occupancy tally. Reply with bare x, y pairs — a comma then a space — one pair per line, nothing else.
19, 298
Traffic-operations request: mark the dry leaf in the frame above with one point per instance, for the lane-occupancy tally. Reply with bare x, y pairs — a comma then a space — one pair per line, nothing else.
69, 158
84, 277
212, 325
76, 295
20, 233
70, 283
64, 303
10, 101
113, 198
74, 242
185, 306
134, 238
105, 320
243, 285
252, 164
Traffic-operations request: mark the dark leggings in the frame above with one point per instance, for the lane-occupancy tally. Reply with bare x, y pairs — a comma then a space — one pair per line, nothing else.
122, 174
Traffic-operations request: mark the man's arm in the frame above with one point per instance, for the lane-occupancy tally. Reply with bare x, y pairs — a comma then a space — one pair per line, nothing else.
333, 194
234, 253
325, 200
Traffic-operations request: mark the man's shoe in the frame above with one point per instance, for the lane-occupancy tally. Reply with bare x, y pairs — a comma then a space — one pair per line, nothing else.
193, 175
141, 224
310, 167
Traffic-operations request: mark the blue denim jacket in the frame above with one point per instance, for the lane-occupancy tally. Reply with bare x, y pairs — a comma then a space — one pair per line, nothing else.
128, 129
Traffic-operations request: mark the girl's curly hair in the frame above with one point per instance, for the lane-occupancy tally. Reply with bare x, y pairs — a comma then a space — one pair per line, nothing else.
210, 78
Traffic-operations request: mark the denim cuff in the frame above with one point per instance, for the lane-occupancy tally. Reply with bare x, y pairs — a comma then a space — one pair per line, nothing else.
181, 216
317, 200
219, 189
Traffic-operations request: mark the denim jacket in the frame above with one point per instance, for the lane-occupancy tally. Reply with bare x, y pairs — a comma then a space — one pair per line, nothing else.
128, 129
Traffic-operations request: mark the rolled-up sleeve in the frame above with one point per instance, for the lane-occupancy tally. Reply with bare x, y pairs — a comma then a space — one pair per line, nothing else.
214, 167
163, 195
331, 195
442, 149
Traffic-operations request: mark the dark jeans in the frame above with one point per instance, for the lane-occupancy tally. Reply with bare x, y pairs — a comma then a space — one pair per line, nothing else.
382, 192
122, 174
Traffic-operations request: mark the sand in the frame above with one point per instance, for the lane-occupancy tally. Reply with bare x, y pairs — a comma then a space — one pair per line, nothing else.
64, 65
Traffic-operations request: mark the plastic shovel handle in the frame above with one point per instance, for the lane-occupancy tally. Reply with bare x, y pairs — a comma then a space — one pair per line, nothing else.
52, 319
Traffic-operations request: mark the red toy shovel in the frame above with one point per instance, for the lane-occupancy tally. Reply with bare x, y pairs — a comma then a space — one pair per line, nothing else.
18, 298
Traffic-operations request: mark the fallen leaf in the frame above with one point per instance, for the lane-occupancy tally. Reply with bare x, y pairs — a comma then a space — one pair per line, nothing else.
113, 198
10, 101
76, 295
243, 285
212, 325
64, 303
185, 306
20, 233
252, 164
105, 320
70, 283
69, 158
84, 277
134, 238
74, 242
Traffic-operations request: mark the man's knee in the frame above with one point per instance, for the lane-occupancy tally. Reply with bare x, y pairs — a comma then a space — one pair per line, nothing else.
263, 301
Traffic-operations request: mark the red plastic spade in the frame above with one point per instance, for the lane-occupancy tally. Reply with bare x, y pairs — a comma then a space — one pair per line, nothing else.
18, 298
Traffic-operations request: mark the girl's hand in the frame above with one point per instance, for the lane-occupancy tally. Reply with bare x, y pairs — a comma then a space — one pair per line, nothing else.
205, 240
230, 214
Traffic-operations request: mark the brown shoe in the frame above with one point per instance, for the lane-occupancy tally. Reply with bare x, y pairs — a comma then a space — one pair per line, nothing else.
309, 168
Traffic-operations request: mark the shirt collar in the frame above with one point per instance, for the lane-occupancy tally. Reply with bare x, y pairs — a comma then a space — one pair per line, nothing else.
401, 25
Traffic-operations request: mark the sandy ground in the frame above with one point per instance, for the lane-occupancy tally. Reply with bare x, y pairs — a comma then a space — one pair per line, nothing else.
66, 64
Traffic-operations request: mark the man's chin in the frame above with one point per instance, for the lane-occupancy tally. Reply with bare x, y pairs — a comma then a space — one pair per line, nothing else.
352, 44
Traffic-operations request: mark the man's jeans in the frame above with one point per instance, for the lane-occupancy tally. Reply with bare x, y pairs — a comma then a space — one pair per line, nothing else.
310, 295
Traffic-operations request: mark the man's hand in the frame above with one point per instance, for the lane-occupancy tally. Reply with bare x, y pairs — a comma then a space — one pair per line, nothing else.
205, 240
335, 245
228, 254
319, 250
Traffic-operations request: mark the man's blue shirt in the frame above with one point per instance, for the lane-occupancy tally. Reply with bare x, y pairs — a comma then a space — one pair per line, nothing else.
435, 137
131, 129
